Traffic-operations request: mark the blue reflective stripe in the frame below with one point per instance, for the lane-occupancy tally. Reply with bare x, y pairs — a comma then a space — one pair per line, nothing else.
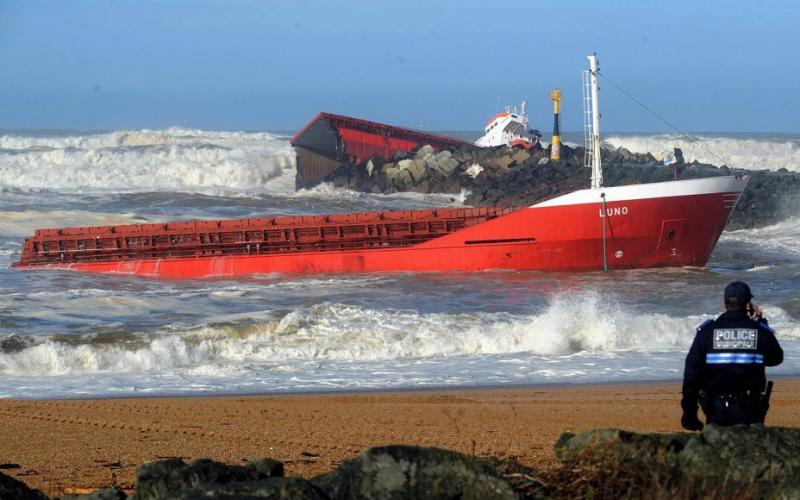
766, 327
739, 358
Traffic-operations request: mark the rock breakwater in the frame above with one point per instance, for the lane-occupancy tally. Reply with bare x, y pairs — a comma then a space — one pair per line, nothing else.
516, 177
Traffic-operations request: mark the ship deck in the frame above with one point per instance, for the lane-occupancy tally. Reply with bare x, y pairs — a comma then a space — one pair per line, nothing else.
254, 236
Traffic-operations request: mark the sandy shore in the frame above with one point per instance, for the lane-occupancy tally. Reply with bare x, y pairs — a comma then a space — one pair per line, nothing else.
94, 443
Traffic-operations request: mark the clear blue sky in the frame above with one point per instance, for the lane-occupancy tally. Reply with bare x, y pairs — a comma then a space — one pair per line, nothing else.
271, 65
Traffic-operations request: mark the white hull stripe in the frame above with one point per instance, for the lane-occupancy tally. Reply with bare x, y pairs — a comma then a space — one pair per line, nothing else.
732, 186
738, 358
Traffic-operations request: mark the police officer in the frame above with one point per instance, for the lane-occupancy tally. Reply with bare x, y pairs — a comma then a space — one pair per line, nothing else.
725, 366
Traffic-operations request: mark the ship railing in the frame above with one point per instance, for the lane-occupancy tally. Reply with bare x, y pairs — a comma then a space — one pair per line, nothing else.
387, 233
237, 248
221, 249
268, 223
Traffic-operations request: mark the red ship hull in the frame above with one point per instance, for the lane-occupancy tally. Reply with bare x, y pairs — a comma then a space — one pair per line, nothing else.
651, 225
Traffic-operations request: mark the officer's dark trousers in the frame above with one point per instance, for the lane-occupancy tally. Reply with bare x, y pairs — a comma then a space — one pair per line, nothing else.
718, 413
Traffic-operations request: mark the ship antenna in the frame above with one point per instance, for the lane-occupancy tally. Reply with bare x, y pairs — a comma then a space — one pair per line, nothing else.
591, 122
694, 140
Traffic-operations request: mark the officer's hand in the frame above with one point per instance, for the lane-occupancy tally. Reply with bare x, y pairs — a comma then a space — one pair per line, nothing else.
755, 312
691, 422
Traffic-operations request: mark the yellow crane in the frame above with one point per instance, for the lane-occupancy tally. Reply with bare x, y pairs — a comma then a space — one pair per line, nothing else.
555, 145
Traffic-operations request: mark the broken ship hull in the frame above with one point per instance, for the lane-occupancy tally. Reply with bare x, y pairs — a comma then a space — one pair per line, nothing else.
650, 225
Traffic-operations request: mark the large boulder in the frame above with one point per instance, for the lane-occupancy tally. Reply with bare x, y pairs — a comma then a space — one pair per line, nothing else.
162, 479
421, 187
752, 459
443, 155
499, 163
275, 488
448, 165
402, 180
607, 443
743, 453
411, 472
442, 165
424, 151
12, 489
102, 494
388, 172
624, 154
417, 171
405, 164
521, 156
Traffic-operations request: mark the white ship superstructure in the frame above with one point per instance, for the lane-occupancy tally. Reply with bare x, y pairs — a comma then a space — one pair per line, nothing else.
509, 128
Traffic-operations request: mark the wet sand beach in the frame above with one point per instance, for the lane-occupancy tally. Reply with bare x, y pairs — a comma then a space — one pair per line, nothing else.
60, 444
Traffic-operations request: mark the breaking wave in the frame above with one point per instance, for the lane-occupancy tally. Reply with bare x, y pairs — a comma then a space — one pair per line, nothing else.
327, 191
20, 223
173, 159
780, 240
337, 333
767, 153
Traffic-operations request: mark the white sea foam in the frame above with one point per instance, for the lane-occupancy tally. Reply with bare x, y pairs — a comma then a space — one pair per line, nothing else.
23, 222
134, 138
781, 238
753, 153
337, 333
326, 191
149, 160
337, 346
176, 160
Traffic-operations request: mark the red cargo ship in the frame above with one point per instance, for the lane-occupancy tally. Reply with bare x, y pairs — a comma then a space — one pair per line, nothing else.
648, 225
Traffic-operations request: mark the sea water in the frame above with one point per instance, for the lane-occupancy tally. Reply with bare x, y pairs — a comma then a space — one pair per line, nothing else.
68, 334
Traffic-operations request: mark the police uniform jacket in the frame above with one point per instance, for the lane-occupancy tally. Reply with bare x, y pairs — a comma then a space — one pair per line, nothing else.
728, 356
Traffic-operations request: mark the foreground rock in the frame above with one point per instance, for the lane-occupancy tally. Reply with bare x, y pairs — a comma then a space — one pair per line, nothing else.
410, 472
720, 462
392, 472
209, 479
12, 489
276, 488
749, 461
104, 494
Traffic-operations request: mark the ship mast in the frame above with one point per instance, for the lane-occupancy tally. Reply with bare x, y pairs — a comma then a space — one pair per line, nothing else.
591, 122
